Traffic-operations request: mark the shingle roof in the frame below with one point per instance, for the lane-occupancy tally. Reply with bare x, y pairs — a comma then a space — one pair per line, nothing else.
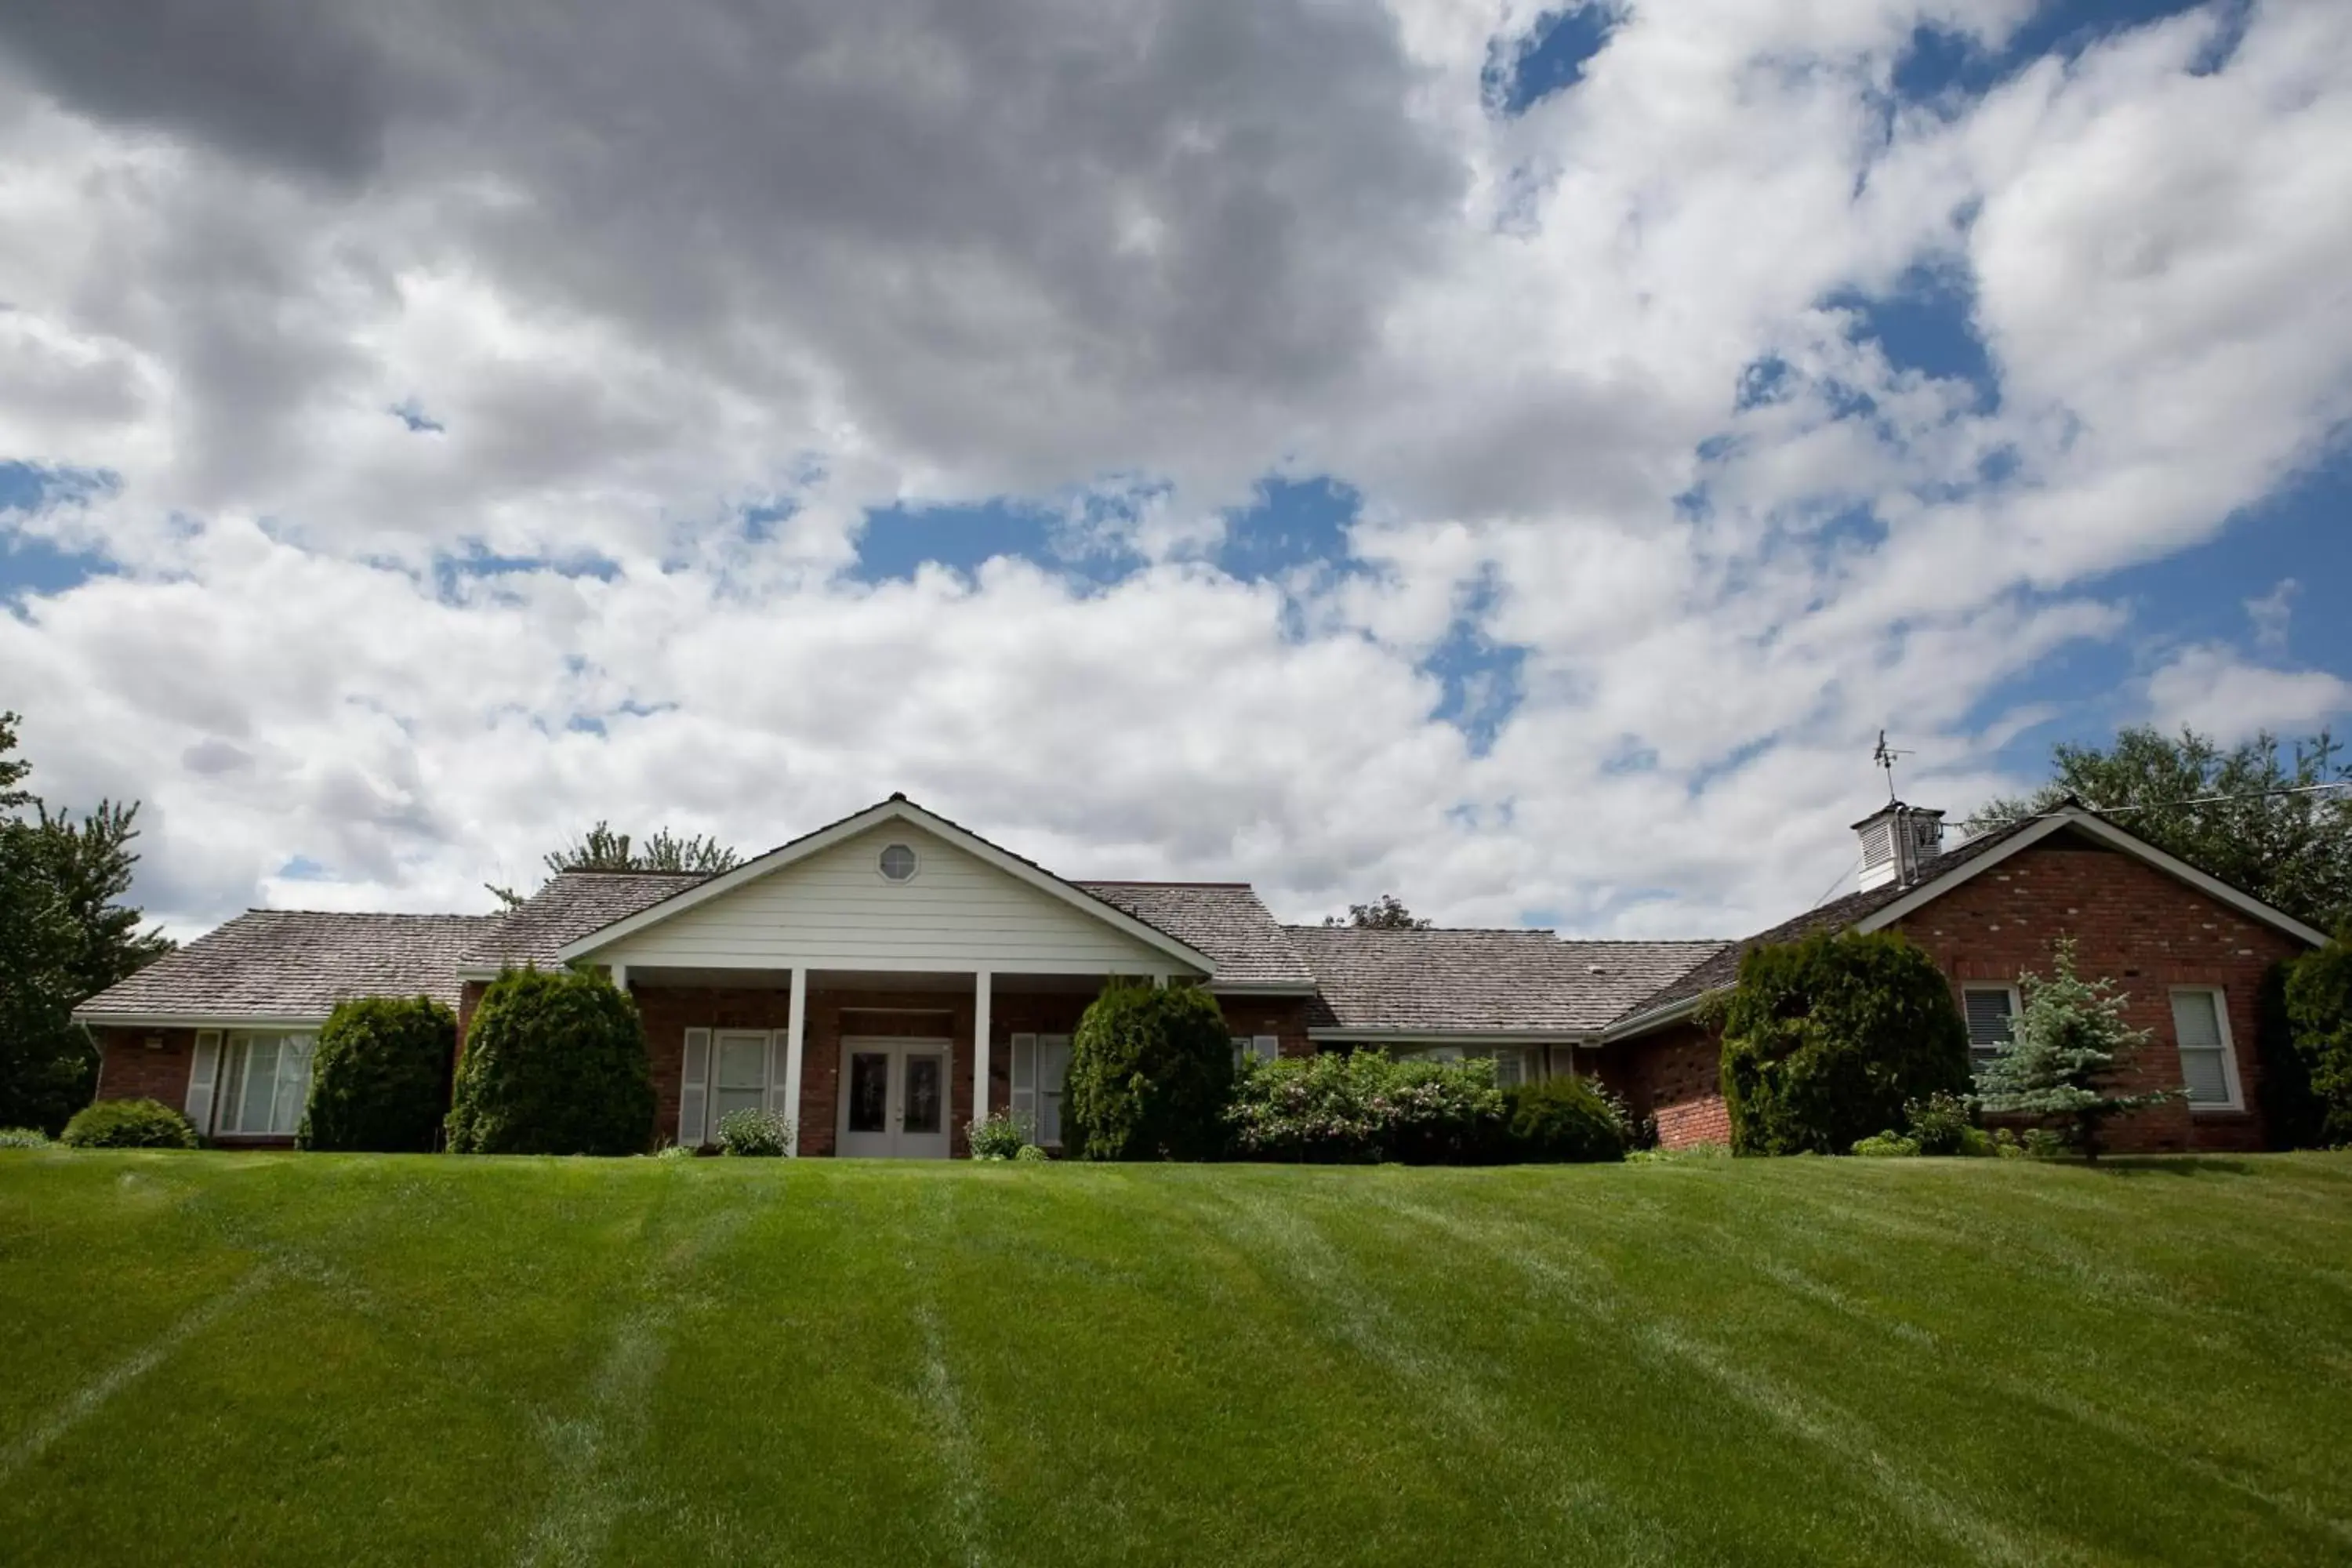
1455, 981
570, 906
296, 963
1223, 920
1723, 968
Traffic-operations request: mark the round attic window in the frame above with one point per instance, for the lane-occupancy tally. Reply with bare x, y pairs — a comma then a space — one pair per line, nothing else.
897, 864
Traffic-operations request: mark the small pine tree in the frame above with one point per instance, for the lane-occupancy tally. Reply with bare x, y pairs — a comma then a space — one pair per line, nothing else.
2068, 1047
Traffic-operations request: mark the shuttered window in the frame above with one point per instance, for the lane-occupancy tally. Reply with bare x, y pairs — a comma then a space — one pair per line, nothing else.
2201, 1025
1041, 1069
1265, 1047
1992, 1012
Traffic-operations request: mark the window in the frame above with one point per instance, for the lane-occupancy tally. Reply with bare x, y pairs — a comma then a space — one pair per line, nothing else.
267, 1085
898, 863
1265, 1047
739, 1078
1992, 1014
1041, 1068
2201, 1023
1510, 1069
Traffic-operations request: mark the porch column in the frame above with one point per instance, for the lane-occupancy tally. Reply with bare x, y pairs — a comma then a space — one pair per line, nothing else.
621, 977
984, 982
795, 1029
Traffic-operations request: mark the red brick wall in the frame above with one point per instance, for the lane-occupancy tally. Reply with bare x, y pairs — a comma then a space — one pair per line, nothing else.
2132, 924
129, 1070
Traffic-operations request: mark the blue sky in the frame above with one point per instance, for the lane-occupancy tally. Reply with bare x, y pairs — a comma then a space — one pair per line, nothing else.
1516, 459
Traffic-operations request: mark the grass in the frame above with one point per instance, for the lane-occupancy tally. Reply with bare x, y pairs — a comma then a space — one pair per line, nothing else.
246, 1358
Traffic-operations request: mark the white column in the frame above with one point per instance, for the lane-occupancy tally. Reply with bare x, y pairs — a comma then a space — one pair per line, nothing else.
620, 977
795, 1030
983, 983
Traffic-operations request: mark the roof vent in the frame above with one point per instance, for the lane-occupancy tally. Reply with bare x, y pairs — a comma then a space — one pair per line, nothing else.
1899, 843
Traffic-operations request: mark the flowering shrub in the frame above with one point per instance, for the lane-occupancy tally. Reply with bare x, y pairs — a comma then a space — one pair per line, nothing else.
996, 1137
754, 1131
1360, 1107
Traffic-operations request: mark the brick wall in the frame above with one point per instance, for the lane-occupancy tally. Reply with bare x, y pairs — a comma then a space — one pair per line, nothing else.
2132, 924
129, 1069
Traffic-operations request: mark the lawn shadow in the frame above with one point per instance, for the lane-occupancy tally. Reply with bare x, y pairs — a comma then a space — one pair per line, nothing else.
2172, 1165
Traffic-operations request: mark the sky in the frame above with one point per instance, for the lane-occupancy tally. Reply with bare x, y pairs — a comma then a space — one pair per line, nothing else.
1518, 459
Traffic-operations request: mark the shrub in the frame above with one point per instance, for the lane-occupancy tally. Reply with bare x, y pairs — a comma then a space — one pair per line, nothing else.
2068, 1047
1940, 1123
1150, 1070
380, 1077
1362, 1106
754, 1132
1825, 1039
128, 1124
1565, 1119
996, 1137
2319, 1021
23, 1138
1030, 1152
1887, 1145
554, 1064
675, 1152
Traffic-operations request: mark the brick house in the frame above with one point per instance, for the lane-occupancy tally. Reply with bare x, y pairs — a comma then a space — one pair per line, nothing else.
879, 977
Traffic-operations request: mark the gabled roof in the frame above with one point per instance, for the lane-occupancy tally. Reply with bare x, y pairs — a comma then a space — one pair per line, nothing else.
1223, 920
1439, 982
293, 966
898, 809
1875, 908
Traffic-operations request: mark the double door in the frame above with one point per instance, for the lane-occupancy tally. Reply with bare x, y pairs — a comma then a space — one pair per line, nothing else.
893, 1098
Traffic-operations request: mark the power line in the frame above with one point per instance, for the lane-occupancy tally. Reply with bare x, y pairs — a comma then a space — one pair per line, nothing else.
2165, 805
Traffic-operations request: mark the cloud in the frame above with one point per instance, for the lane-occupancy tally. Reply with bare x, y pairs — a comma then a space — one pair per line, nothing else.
2209, 687
494, 405
2271, 613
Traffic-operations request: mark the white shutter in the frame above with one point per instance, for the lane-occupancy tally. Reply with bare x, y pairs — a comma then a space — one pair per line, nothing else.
203, 1078
694, 1088
1025, 1084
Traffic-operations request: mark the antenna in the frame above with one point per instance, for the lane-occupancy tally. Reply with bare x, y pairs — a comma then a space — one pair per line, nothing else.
1884, 757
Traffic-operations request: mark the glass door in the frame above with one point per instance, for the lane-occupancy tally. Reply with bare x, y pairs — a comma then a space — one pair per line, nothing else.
923, 1102
895, 1098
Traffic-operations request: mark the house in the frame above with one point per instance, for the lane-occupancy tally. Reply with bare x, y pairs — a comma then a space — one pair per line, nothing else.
879, 977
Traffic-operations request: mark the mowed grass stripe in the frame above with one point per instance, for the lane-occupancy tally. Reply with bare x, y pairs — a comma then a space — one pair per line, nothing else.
283, 1358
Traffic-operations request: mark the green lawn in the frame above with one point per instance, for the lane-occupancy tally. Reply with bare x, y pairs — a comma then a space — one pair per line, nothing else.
245, 1358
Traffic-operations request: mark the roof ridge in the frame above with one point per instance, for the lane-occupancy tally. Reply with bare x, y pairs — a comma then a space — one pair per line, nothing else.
1144, 882
1437, 931
379, 914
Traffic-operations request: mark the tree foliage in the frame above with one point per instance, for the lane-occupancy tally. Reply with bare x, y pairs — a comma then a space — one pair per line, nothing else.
1386, 913
1824, 1040
554, 1063
2319, 1025
2069, 1050
64, 935
2292, 851
1151, 1068
602, 849
380, 1077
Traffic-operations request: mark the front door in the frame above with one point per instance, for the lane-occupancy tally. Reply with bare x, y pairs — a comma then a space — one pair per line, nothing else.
893, 1098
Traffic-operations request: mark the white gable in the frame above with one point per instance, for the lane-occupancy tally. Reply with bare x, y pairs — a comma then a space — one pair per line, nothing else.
834, 910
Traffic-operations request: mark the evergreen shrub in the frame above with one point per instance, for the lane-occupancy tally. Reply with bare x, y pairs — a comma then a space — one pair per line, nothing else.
554, 1064
1824, 1040
380, 1077
1151, 1068
128, 1124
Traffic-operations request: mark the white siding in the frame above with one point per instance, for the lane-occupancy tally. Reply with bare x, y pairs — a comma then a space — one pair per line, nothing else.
835, 910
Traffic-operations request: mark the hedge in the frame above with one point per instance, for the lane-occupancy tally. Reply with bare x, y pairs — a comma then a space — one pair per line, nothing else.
554, 1064
380, 1077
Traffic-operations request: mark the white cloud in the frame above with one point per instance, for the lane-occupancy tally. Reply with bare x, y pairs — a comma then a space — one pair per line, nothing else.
2211, 689
2271, 613
645, 274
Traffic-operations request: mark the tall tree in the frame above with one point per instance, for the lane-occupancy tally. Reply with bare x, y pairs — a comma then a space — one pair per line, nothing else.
1386, 913
64, 935
2292, 850
602, 849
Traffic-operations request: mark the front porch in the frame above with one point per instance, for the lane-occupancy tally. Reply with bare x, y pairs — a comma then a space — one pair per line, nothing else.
864, 1062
